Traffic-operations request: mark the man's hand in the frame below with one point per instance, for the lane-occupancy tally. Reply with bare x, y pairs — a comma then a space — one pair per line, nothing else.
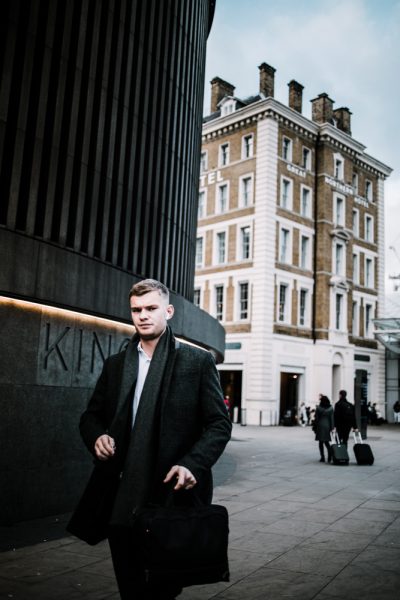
104, 447
185, 479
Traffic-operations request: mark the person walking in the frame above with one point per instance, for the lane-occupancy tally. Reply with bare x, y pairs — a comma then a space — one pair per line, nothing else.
156, 419
344, 417
396, 411
323, 426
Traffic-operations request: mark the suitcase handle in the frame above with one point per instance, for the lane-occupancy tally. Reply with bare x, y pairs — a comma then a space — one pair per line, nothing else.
357, 437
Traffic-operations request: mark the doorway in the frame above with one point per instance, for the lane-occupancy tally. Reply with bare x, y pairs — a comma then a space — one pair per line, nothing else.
231, 383
289, 398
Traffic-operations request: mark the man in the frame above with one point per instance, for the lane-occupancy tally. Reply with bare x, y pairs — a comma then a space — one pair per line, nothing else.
156, 418
344, 417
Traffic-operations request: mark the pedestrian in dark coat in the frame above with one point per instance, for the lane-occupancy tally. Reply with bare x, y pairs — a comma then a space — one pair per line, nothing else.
345, 417
156, 418
323, 426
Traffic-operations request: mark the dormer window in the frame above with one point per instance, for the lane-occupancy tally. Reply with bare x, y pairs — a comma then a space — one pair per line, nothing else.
228, 106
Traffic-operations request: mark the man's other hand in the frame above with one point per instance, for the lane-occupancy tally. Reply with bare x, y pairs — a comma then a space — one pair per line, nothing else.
184, 478
104, 447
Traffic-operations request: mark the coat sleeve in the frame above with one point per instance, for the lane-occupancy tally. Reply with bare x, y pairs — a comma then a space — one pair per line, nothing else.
216, 423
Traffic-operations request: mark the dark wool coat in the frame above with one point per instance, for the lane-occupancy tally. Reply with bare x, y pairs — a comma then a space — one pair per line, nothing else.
192, 427
323, 423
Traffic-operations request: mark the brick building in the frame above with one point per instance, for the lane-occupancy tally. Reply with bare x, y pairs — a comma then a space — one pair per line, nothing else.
290, 250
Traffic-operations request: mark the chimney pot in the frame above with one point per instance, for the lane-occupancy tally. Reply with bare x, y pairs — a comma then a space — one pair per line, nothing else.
343, 119
296, 95
267, 80
219, 89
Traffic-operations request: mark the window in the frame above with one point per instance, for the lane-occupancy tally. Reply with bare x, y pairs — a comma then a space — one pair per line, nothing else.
247, 146
282, 309
222, 198
303, 307
338, 167
368, 320
339, 259
245, 242
228, 107
305, 252
199, 252
243, 300
203, 162
369, 273
246, 191
196, 297
305, 202
355, 319
219, 302
284, 246
306, 158
369, 228
201, 212
286, 193
221, 247
354, 182
339, 208
356, 222
338, 312
223, 155
287, 149
368, 190
356, 269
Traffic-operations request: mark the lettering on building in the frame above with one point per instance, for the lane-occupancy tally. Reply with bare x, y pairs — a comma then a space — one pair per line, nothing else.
210, 178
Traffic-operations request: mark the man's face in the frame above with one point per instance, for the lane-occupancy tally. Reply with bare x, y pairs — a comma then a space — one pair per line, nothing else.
149, 314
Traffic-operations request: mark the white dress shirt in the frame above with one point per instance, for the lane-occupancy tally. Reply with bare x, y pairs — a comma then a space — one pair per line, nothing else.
144, 364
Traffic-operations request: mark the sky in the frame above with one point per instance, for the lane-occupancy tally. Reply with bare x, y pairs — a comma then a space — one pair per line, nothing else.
349, 49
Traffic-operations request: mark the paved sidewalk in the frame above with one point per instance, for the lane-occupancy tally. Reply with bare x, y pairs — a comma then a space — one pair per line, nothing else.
299, 529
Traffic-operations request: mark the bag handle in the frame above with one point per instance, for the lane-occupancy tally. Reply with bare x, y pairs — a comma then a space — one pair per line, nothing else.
357, 437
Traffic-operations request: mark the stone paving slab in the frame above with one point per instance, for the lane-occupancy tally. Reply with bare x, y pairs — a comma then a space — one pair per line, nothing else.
299, 529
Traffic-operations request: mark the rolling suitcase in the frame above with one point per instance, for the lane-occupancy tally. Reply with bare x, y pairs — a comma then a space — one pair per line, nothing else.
340, 455
362, 451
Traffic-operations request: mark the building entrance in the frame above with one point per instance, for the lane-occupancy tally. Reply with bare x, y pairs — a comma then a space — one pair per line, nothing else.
231, 382
289, 398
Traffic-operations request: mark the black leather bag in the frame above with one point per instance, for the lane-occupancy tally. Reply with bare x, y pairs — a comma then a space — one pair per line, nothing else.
187, 545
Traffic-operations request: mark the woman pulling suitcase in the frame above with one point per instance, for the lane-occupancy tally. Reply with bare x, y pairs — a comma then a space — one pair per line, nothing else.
323, 426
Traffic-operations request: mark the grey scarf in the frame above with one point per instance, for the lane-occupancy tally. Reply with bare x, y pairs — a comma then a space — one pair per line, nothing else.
140, 462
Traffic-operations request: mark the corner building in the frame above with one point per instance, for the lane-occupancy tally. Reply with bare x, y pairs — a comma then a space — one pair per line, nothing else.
290, 247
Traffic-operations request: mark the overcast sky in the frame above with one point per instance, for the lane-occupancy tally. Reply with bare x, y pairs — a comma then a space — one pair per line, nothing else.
349, 49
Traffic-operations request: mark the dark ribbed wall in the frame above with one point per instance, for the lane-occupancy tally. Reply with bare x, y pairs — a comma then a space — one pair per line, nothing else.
100, 133
100, 114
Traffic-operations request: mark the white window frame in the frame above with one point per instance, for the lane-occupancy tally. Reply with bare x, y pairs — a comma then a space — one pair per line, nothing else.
369, 272
285, 249
218, 236
307, 310
338, 166
287, 305
305, 261
202, 206
242, 200
306, 158
356, 222
224, 184
228, 107
223, 158
369, 193
355, 318
339, 318
240, 248
354, 182
204, 161
339, 258
305, 189
287, 148
339, 216
369, 229
287, 204
197, 291
368, 325
239, 301
248, 148
356, 268
199, 264
219, 316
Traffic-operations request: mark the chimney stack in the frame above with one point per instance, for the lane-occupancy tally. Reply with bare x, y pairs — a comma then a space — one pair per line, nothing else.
220, 89
267, 80
343, 119
296, 95
322, 109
